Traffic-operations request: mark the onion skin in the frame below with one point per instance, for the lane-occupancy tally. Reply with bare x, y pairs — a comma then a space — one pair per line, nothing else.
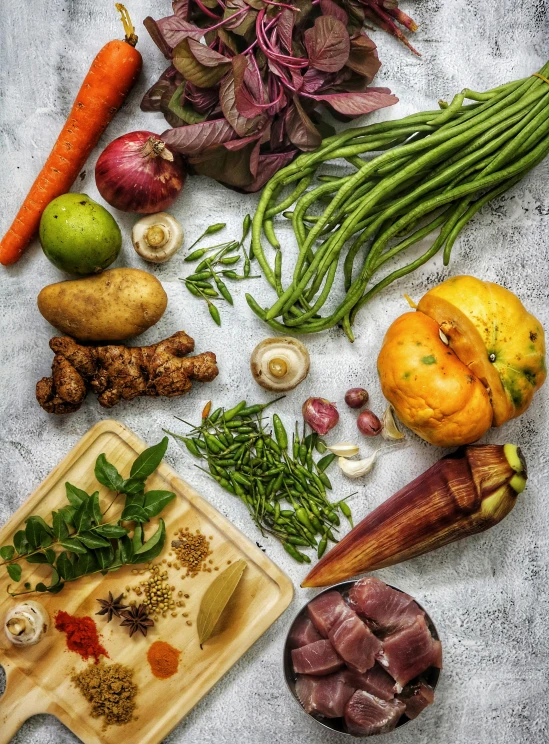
369, 424
320, 414
462, 494
134, 177
356, 397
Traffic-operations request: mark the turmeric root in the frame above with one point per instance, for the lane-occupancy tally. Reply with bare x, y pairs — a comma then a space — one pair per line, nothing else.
116, 373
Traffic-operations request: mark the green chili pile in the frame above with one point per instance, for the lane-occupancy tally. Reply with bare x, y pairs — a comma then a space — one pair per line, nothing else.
437, 169
282, 484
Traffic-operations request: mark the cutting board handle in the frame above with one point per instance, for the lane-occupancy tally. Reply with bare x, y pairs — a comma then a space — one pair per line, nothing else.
20, 701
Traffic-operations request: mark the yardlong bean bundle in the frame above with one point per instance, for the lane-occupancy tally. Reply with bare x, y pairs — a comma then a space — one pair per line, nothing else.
434, 171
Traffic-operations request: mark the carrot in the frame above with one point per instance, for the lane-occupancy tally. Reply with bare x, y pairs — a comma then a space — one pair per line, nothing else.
109, 80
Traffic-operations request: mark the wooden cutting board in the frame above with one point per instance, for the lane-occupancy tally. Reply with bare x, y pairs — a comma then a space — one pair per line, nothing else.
38, 677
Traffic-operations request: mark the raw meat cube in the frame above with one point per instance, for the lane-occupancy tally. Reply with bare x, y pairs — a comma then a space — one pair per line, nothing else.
354, 641
303, 632
318, 658
376, 681
417, 698
325, 696
366, 714
325, 610
386, 610
410, 652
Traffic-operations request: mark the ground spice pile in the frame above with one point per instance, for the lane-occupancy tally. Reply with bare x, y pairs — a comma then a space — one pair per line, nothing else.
82, 635
192, 551
163, 659
110, 690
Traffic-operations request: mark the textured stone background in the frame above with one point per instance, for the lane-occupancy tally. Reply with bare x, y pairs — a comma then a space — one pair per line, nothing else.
488, 595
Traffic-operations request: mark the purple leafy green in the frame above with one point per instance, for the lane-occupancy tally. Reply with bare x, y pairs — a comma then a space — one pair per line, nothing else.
248, 79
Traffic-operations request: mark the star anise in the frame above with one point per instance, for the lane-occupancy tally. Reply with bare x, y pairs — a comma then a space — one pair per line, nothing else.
135, 618
111, 607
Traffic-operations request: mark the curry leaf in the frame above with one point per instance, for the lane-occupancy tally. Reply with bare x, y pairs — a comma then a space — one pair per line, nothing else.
155, 501
134, 513
92, 540
95, 508
15, 571
59, 526
7, 552
82, 518
126, 549
65, 566
73, 544
105, 556
149, 460
37, 558
20, 542
111, 530
75, 495
152, 547
107, 474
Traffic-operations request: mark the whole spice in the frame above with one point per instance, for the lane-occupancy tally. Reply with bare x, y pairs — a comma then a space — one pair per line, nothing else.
163, 659
245, 99
369, 424
216, 598
192, 550
464, 493
111, 607
320, 414
136, 619
110, 690
281, 484
158, 593
82, 635
138, 173
89, 542
455, 161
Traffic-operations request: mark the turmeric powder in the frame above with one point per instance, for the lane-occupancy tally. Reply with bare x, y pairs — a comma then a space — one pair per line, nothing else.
163, 659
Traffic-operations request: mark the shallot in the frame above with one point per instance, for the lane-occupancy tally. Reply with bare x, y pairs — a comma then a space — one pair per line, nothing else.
320, 414
138, 173
356, 397
369, 424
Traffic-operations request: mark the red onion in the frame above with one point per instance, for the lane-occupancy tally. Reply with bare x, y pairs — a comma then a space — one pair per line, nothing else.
369, 424
320, 414
137, 173
356, 397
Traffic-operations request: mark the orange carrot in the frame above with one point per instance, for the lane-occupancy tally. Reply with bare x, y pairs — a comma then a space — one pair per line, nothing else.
109, 80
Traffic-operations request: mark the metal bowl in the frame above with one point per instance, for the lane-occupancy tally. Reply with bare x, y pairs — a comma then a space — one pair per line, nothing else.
431, 676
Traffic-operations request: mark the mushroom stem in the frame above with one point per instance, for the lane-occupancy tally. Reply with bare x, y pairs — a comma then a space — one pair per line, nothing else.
157, 236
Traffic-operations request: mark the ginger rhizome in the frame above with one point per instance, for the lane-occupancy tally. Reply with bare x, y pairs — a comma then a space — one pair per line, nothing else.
116, 373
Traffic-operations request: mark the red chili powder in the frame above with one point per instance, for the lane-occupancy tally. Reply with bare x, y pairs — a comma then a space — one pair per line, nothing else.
82, 635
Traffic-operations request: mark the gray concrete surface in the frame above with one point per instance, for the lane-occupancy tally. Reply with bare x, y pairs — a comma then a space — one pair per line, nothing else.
488, 595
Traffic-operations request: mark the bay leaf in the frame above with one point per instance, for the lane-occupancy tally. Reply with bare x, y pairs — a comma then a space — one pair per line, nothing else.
216, 598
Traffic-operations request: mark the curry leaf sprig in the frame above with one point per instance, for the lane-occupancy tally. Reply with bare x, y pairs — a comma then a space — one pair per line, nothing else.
80, 541
282, 484
216, 268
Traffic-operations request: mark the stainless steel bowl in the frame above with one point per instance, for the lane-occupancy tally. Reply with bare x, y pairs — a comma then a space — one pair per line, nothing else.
431, 676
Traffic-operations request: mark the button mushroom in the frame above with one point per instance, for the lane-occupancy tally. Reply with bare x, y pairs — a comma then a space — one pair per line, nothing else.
157, 237
280, 363
26, 623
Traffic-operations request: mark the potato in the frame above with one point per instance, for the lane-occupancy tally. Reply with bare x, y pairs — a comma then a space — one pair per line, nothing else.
110, 306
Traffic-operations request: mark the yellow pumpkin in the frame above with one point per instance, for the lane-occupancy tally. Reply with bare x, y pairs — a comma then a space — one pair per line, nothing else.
486, 373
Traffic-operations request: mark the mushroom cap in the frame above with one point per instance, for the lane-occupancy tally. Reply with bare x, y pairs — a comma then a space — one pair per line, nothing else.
290, 352
157, 237
30, 620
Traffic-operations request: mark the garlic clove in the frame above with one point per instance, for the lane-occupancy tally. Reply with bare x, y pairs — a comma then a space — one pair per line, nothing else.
26, 623
157, 237
357, 468
344, 449
390, 430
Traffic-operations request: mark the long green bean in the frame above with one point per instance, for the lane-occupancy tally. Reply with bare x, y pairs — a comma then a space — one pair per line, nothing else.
434, 170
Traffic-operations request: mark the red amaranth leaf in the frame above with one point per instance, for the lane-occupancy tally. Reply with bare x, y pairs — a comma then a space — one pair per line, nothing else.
268, 164
174, 30
363, 57
355, 104
285, 28
195, 138
205, 76
181, 9
329, 8
300, 129
242, 125
327, 44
